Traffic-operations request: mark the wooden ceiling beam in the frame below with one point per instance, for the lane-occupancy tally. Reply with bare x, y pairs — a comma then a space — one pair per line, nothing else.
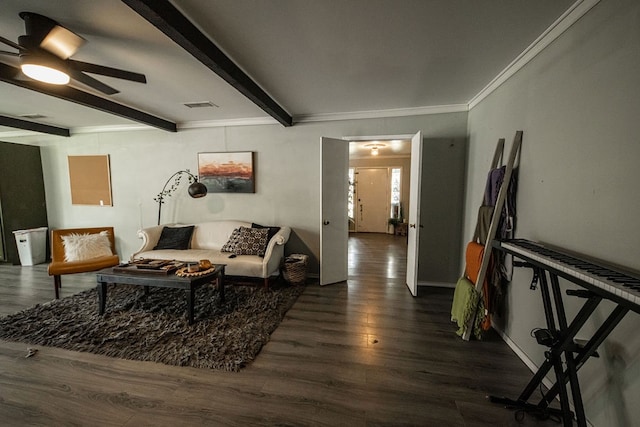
13, 122
67, 93
164, 16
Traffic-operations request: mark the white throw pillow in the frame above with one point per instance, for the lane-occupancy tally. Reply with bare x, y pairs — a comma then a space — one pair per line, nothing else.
79, 247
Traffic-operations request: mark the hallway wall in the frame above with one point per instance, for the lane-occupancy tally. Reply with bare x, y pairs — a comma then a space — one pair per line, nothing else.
578, 103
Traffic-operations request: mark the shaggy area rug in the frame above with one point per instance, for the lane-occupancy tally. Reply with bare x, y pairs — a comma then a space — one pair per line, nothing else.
154, 327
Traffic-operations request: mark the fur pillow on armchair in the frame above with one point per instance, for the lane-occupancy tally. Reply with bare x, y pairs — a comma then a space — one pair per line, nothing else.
79, 247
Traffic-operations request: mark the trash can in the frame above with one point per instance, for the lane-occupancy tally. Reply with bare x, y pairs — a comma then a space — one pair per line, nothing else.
294, 269
32, 245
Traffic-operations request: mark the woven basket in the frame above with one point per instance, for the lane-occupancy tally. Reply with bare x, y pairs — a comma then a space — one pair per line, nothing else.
294, 269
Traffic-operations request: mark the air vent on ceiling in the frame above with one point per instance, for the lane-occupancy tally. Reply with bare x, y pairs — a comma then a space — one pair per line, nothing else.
33, 116
201, 104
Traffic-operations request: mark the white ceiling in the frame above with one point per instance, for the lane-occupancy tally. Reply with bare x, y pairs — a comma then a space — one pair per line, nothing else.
314, 57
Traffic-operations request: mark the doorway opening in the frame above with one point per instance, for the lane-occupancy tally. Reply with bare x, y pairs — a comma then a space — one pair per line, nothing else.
334, 189
379, 177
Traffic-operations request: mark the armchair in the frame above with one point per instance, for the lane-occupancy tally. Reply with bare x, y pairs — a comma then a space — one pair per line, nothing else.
59, 264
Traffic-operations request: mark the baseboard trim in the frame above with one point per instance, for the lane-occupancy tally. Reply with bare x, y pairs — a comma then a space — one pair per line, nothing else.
521, 354
437, 284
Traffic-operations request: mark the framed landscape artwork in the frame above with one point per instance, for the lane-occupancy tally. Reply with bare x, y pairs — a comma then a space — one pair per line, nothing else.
227, 172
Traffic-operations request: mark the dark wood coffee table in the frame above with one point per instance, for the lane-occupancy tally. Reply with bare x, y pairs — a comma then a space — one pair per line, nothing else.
151, 279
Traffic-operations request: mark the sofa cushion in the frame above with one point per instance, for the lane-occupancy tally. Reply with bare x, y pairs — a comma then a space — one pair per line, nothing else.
230, 246
175, 238
80, 247
252, 241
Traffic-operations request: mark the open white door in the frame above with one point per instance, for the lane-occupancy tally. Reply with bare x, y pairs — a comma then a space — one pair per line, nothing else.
334, 225
414, 213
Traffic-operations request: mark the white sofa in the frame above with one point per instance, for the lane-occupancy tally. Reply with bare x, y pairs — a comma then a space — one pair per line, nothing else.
207, 240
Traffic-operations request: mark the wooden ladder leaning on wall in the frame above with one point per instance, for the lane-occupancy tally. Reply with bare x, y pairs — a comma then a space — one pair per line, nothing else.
495, 217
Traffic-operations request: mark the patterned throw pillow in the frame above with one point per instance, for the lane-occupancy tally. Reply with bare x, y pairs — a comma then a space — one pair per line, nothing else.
252, 241
272, 230
230, 246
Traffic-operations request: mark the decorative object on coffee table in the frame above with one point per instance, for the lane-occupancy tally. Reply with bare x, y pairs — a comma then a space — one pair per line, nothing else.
196, 189
150, 266
194, 272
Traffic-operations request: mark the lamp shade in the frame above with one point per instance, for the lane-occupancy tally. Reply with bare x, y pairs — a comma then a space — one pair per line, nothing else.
197, 190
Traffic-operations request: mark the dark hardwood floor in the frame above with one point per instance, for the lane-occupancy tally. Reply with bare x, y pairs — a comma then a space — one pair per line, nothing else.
360, 353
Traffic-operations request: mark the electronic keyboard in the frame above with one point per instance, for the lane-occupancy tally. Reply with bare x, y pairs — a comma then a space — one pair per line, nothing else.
608, 282
565, 356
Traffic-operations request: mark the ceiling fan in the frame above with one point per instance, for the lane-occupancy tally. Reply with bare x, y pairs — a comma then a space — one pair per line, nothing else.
45, 54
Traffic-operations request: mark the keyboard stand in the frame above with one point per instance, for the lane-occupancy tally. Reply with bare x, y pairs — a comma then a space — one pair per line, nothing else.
562, 348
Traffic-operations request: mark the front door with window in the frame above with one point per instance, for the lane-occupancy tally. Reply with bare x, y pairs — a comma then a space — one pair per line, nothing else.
372, 207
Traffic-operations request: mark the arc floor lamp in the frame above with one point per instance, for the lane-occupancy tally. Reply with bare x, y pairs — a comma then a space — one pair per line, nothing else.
196, 189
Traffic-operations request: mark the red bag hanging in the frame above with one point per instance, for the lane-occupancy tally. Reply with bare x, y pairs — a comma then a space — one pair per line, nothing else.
473, 258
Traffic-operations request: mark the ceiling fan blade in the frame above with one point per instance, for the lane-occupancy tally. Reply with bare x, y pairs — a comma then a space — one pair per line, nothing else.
4, 52
107, 71
91, 82
62, 42
10, 43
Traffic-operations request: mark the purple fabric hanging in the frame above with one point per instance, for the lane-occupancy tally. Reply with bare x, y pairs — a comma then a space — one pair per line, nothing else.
494, 181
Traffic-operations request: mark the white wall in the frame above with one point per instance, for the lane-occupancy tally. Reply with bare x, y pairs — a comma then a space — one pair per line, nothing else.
578, 103
287, 174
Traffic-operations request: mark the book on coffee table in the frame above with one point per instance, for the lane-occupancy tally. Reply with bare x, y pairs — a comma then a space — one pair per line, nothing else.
151, 266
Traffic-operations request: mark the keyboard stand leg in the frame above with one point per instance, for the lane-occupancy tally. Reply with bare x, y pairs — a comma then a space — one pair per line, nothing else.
563, 346
590, 347
548, 364
554, 356
518, 404
566, 348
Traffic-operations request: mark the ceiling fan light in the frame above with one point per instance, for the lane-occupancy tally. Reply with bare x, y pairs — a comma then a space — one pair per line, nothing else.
45, 74
374, 151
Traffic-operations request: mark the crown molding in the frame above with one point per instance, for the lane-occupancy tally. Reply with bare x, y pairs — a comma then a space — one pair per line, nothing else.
109, 128
254, 121
136, 127
251, 121
377, 114
555, 30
